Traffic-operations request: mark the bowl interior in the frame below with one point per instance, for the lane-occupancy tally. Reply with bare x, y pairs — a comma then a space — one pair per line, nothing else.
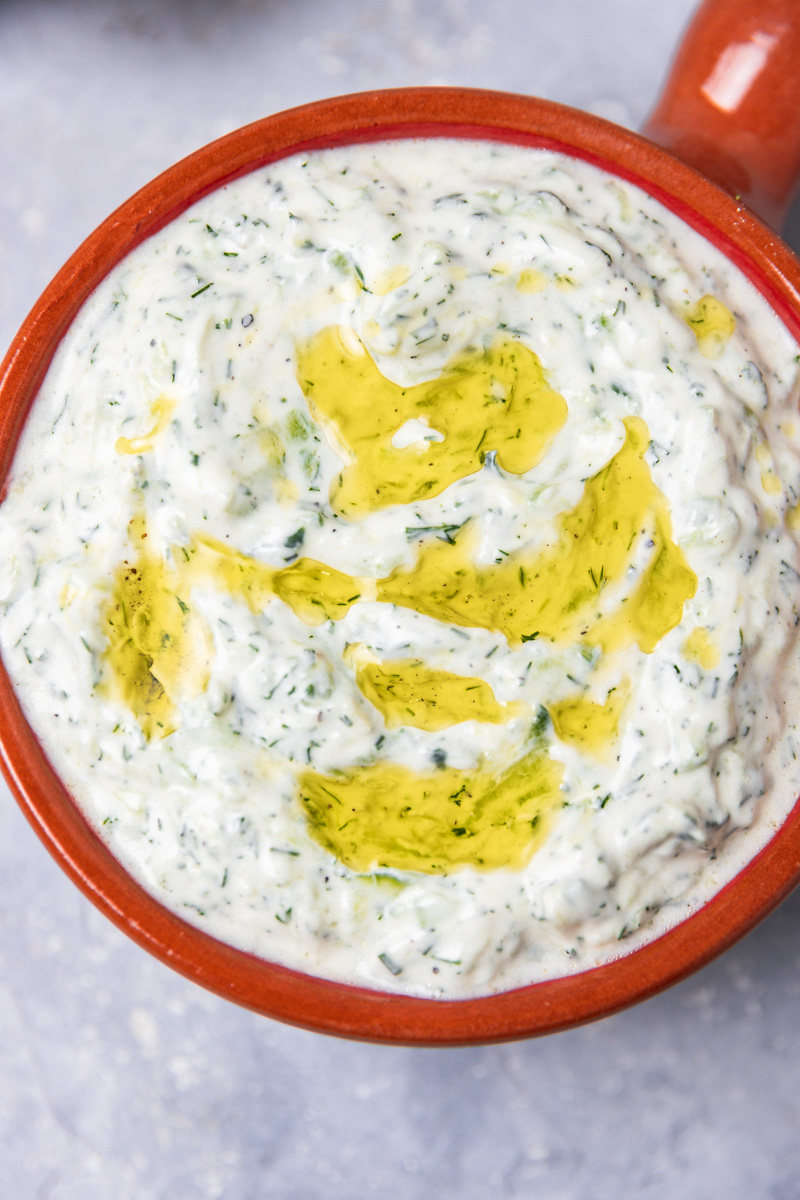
278, 991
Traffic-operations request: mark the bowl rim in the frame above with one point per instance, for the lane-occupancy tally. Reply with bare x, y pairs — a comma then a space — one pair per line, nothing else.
280, 992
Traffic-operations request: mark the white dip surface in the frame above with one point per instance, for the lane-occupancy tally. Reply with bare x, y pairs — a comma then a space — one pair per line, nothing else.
208, 314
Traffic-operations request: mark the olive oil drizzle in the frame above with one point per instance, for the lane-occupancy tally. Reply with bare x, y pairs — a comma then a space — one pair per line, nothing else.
315, 592
609, 575
384, 815
557, 592
593, 727
486, 399
161, 411
712, 323
159, 651
406, 691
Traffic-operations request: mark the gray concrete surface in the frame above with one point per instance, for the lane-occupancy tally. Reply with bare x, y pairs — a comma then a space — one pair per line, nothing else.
118, 1079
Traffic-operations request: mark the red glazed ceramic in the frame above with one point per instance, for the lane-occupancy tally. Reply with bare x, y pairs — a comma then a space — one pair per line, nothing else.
731, 108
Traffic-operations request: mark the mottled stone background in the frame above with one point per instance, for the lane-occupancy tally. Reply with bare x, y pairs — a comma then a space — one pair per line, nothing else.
120, 1081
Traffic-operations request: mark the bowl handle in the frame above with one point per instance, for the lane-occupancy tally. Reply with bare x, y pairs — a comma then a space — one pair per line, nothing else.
731, 104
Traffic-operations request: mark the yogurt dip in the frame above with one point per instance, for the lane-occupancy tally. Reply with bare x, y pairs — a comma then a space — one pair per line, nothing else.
399, 566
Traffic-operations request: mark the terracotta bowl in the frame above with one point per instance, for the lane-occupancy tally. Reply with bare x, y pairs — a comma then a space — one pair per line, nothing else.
729, 107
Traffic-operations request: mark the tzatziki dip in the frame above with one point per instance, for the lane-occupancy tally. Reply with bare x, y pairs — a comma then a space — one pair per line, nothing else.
399, 566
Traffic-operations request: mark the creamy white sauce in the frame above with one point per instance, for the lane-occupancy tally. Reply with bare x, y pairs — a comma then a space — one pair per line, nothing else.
208, 313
